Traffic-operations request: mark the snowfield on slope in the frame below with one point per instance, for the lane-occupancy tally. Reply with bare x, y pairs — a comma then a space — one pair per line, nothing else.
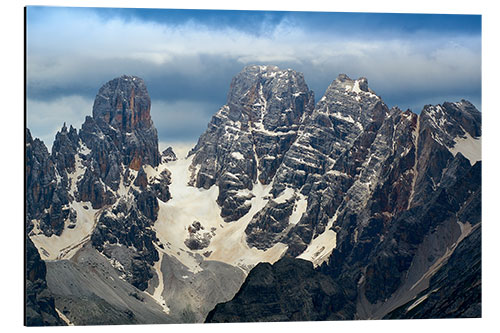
189, 204
70, 240
322, 246
469, 147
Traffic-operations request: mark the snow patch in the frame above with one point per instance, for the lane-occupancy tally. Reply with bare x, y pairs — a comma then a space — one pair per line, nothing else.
157, 293
469, 147
337, 173
70, 240
83, 149
237, 155
347, 118
322, 246
79, 170
64, 318
415, 137
285, 195
418, 301
259, 128
356, 88
189, 204
298, 210
230, 246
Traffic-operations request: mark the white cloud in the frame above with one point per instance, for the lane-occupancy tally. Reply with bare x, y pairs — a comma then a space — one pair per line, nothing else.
78, 41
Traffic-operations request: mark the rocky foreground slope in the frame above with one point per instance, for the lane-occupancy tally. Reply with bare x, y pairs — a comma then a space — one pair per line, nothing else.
377, 200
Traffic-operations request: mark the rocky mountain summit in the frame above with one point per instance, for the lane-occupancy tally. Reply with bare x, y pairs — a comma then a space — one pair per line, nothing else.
93, 166
374, 197
343, 209
93, 185
247, 138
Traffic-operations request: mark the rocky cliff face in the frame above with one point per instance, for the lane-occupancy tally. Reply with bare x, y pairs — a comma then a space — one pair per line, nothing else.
248, 138
289, 290
122, 112
345, 120
120, 136
40, 307
97, 174
388, 195
404, 226
46, 196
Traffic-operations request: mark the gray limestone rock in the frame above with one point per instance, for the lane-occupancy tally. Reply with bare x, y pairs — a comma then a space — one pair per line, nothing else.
168, 155
248, 137
47, 195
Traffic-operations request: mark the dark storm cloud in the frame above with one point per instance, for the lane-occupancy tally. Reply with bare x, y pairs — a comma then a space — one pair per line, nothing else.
181, 120
188, 58
256, 22
201, 77
183, 100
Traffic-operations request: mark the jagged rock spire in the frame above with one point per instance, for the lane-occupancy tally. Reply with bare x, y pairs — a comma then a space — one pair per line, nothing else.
124, 103
121, 115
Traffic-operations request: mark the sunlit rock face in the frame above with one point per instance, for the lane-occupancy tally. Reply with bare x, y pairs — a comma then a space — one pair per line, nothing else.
375, 197
122, 110
247, 138
101, 167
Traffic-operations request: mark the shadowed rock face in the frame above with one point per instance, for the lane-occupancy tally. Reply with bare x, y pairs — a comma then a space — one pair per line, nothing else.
40, 305
454, 291
65, 148
289, 290
46, 198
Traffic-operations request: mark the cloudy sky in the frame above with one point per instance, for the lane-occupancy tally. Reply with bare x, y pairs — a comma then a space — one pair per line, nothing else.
188, 57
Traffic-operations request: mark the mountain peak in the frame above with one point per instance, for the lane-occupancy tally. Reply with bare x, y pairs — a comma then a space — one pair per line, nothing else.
344, 81
356, 189
343, 78
124, 103
121, 115
261, 68
253, 77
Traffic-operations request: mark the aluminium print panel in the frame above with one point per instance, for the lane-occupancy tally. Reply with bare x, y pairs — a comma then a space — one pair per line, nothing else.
190, 166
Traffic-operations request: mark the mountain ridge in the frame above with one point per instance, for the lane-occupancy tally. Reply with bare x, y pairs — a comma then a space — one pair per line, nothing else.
273, 176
